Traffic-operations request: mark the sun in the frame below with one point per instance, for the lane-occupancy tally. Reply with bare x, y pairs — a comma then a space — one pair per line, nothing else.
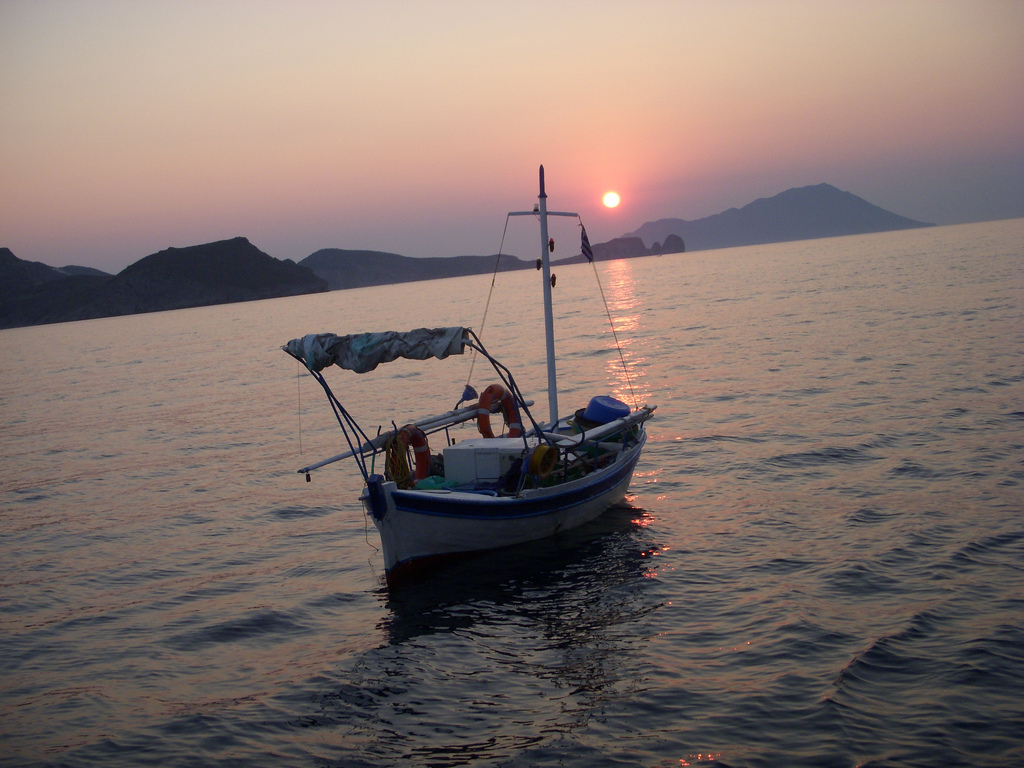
611, 199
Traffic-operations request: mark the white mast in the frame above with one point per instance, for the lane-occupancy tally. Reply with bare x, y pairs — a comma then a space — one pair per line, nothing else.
549, 323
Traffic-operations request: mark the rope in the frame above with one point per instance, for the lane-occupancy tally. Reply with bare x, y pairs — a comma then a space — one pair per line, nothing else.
397, 463
366, 535
607, 311
490, 293
611, 323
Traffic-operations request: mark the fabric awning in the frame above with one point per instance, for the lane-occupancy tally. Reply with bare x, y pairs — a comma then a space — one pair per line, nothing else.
362, 352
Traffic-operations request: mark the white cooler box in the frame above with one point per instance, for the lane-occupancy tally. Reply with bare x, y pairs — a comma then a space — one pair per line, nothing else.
481, 459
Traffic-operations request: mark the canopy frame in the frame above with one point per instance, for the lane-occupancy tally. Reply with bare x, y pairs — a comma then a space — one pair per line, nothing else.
361, 446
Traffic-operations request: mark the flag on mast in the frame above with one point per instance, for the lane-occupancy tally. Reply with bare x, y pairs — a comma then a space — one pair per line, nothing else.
585, 245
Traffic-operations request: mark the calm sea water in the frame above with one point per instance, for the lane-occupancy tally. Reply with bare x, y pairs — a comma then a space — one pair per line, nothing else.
821, 561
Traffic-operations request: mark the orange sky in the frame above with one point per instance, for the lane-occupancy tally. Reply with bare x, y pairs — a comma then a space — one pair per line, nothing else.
128, 127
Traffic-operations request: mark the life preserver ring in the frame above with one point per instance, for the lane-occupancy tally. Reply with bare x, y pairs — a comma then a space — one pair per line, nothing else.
497, 393
412, 435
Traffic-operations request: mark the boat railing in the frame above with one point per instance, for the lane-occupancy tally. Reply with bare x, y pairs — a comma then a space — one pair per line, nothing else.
597, 434
429, 425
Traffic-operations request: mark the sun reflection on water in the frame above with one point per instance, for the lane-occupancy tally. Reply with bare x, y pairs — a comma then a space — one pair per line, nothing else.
627, 369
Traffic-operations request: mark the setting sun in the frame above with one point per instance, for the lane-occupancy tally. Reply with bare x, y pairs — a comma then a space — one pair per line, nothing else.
611, 199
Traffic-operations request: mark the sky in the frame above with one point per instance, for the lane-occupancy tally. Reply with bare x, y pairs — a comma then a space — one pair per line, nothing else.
413, 127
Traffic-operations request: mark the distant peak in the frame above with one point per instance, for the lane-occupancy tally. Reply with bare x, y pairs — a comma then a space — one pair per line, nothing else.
231, 241
815, 189
799, 213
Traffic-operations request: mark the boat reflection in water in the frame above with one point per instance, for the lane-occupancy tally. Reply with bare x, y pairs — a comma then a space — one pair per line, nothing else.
581, 566
506, 653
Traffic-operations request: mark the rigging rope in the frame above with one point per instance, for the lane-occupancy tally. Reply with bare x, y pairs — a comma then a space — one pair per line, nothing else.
397, 463
487, 306
611, 323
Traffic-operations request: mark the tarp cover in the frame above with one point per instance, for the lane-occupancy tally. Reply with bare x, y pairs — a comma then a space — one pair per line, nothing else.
362, 352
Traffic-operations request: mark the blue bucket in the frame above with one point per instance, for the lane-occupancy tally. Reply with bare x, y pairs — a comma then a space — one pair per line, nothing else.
603, 409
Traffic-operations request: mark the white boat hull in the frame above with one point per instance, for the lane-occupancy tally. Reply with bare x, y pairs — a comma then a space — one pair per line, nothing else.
419, 527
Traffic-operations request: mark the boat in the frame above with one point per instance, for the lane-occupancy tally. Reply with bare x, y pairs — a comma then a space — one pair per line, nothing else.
527, 482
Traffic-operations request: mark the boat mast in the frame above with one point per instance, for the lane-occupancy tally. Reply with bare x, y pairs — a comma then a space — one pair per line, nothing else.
549, 322
541, 209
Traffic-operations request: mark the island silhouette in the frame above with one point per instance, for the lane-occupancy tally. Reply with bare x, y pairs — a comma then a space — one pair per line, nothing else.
32, 293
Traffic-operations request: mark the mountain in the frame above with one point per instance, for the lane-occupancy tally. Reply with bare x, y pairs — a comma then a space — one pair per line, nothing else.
17, 275
176, 278
627, 247
358, 269
235, 270
214, 273
72, 269
796, 214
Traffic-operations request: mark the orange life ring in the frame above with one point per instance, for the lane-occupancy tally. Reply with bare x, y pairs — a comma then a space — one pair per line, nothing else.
498, 393
412, 435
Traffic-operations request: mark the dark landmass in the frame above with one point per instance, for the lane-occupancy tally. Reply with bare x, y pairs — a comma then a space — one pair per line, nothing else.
177, 278
358, 269
628, 247
72, 269
32, 293
802, 213
17, 275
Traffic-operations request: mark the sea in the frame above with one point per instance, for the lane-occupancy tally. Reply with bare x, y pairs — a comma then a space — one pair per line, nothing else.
820, 560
